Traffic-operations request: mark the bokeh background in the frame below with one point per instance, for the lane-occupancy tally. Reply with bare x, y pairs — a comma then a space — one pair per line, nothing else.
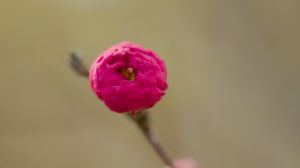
234, 76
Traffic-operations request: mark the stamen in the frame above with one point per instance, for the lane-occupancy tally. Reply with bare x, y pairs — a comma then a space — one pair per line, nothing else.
128, 73
130, 70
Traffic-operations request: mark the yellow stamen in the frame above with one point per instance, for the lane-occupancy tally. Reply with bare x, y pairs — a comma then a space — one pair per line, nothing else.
128, 73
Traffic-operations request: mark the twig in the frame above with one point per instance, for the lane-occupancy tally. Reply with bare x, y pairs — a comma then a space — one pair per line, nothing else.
77, 65
141, 118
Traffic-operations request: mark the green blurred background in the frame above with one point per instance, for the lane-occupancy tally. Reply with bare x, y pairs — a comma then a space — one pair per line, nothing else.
234, 76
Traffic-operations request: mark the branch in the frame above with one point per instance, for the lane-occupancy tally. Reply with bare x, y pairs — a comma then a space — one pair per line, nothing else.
77, 64
141, 118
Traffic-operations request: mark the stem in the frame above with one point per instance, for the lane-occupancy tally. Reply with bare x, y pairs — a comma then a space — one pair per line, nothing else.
159, 149
77, 65
140, 118
142, 123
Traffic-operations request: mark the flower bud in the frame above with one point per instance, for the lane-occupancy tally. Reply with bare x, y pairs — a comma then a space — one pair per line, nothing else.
128, 78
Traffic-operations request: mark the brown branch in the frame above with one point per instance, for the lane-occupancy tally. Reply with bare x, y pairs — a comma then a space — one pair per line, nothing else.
141, 118
77, 65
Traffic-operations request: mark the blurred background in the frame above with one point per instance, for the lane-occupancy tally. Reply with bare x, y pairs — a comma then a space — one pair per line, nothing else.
234, 76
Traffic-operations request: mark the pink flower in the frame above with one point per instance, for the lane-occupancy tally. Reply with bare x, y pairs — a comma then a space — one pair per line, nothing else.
184, 163
128, 78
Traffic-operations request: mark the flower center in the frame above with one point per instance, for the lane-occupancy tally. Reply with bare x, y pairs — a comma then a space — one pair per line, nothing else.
128, 73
